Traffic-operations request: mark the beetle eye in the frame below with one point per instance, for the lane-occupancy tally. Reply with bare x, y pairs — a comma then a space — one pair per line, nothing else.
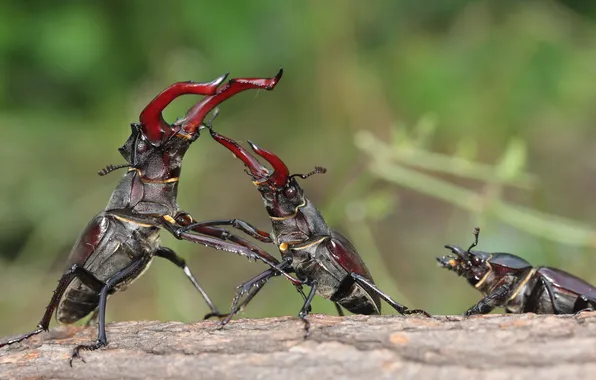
476, 261
141, 146
290, 192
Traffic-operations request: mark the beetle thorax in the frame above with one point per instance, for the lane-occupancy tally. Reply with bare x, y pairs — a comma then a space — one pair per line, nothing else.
305, 223
485, 282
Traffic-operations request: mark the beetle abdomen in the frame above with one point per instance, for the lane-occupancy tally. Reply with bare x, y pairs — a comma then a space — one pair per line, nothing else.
78, 301
359, 301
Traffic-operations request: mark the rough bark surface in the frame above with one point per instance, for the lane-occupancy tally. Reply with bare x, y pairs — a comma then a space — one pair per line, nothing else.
355, 347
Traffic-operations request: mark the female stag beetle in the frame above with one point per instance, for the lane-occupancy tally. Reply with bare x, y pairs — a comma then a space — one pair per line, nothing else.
511, 282
321, 257
120, 242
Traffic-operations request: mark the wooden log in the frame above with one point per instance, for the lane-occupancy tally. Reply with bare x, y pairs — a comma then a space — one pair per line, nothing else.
355, 347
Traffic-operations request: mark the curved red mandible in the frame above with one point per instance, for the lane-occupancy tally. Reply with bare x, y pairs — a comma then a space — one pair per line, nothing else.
151, 118
194, 116
281, 173
257, 170
277, 179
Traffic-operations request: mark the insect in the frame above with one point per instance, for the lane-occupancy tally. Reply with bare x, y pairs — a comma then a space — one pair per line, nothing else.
120, 242
511, 282
321, 257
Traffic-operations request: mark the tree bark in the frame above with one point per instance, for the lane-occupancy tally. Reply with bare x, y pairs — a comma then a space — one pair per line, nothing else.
355, 347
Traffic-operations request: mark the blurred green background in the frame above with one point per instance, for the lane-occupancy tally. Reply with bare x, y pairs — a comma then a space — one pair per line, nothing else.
432, 117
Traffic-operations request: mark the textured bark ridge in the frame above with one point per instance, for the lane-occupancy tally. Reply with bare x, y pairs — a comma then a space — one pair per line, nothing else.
356, 347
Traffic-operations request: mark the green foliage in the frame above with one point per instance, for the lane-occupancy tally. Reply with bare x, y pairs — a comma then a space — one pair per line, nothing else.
432, 117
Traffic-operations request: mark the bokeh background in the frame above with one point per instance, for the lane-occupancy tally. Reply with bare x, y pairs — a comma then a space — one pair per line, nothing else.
432, 117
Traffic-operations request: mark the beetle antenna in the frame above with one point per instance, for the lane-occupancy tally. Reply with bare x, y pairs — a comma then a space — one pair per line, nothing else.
110, 168
318, 170
476, 233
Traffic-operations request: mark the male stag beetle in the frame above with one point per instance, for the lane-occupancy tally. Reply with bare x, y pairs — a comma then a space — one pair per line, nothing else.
511, 282
321, 257
119, 243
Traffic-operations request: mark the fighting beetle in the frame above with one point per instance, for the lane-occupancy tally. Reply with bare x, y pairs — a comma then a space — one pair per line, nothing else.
511, 282
321, 257
120, 242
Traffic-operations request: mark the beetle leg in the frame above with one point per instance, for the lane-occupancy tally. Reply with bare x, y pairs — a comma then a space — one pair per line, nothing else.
75, 271
551, 293
171, 256
497, 298
363, 281
340, 312
584, 303
241, 225
532, 303
255, 285
102, 339
216, 238
306, 308
252, 287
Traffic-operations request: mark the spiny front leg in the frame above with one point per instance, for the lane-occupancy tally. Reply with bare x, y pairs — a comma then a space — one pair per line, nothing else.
238, 224
253, 286
217, 238
496, 299
171, 256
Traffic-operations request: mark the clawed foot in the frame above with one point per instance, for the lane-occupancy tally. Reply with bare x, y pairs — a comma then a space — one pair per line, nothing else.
302, 315
306, 327
216, 314
588, 309
84, 347
221, 324
417, 311
224, 318
468, 314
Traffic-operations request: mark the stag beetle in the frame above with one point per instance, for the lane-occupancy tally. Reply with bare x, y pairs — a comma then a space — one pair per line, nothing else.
119, 243
321, 257
511, 282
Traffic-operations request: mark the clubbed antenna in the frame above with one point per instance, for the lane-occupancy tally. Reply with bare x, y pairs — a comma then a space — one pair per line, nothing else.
475, 243
318, 170
110, 168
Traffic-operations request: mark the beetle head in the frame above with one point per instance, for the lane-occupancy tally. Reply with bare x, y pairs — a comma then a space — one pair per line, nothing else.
280, 191
137, 146
471, 264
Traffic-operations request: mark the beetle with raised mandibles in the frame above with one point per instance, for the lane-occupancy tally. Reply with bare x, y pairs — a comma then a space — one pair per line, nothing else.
511, 282
119, 243
321, 257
